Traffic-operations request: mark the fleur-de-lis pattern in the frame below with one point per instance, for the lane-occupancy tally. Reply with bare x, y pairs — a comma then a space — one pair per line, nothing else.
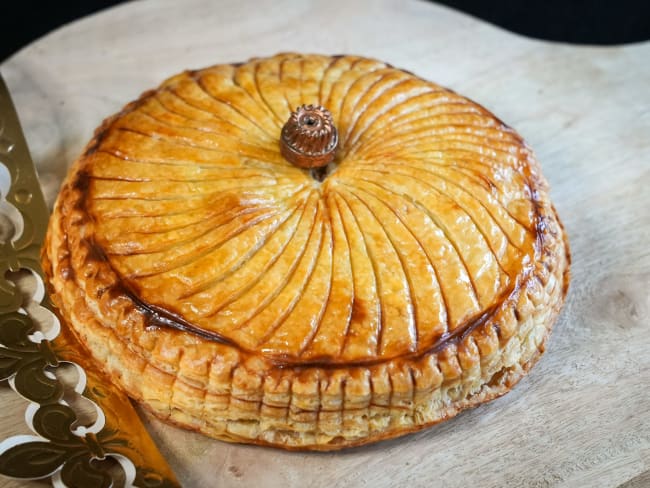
64, 448
24, 361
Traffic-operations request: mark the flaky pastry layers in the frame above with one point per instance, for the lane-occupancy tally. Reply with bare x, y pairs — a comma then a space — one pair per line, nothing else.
235, 294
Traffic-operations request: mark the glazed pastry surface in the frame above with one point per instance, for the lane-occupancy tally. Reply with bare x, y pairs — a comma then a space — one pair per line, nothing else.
233, 293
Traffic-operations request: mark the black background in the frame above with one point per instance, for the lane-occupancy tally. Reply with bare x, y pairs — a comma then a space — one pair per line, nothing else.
579, 21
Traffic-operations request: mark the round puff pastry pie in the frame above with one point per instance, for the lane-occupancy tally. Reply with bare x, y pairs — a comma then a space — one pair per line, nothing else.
232, 292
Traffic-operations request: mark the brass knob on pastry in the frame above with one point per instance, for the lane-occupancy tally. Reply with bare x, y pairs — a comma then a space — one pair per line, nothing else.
309, 138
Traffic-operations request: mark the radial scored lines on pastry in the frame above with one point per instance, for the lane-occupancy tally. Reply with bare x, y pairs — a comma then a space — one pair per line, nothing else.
286, 326
249, 256
223, 82
162, 226
132, 209
268, 77
289, 78
168, 199
210, 122
447, 146
349, 83
214, 220
183, 142
151, 244
361, 338
135, 146
203, 136
487, 275
167, 103
311, 74
118, 154
249, 90
452, 276
365, 87
459, 188
329, 249
244, 78
171, 96
443, 228
445, 124
444, 139
387, 86
300, 321
496, 205
456, 203
330, 74
402, 120
162, 167
340, 88
478, 170
252, 69
118, 166
303, 83
418, 105
454, 127
212, 264
381, 295
157, 189
235, 94
405, 122
127, 208
160, 221
429, 102
396, 98
305, 218
479, 165
179, 282
484, 173
327, 340
139, 267
202, 99
267, 317
422, 292
110, 167
498, 211
406, 312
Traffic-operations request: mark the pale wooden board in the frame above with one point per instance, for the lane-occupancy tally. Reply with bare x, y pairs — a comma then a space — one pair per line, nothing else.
582, 417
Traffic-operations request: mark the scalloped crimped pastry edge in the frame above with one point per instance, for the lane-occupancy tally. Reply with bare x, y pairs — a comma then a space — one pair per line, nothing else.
243, 398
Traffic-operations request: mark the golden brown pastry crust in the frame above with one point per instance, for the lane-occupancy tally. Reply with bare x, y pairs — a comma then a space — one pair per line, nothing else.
422, 277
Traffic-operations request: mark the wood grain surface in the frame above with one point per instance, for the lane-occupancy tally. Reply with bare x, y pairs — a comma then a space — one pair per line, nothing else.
582, 417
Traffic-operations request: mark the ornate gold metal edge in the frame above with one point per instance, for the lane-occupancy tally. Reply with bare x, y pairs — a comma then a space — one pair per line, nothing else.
63, 450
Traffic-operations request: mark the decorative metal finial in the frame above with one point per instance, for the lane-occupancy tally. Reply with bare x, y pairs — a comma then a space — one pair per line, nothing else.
309, 138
